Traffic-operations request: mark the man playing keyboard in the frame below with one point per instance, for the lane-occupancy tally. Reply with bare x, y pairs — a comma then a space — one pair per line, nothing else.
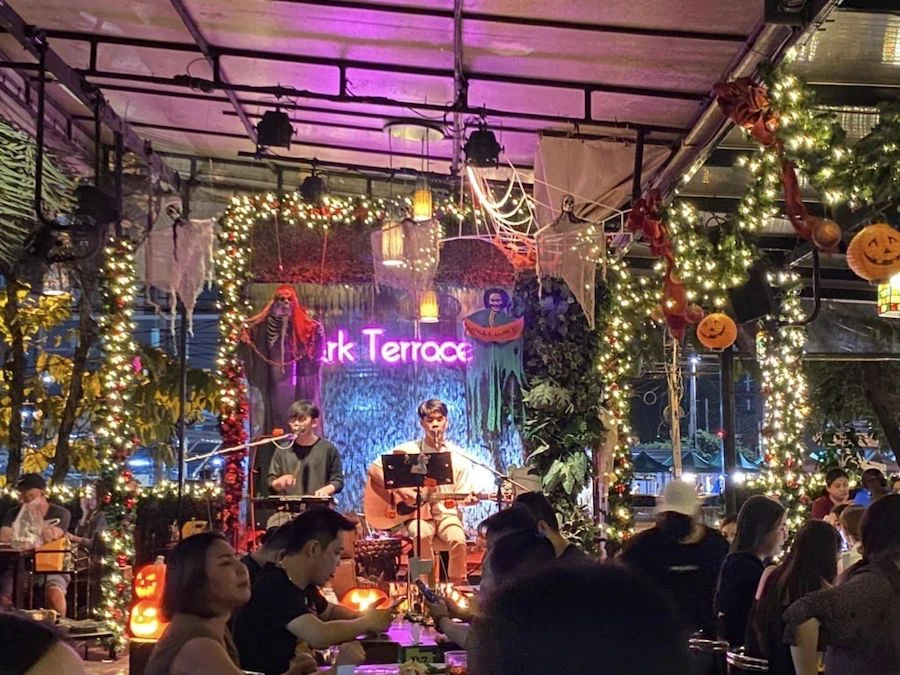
310, 465
438, 520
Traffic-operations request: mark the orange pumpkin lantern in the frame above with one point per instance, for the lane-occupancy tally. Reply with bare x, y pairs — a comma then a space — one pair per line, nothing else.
717, 331
362, 599
150, 581
145, 621
874, 253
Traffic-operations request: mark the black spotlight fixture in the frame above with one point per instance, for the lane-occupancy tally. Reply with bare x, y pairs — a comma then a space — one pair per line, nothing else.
312, 189
274, 130
482, 149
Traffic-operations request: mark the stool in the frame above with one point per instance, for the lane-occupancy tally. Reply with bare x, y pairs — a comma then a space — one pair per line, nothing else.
739, 663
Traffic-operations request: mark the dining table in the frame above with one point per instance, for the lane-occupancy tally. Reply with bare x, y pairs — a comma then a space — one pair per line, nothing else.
16, 558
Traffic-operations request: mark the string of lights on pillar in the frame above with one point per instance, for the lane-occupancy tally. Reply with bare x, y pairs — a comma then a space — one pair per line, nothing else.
630, 301
786, 406
114, 430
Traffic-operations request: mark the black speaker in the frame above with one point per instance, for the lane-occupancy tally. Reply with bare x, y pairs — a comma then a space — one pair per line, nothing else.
754, 299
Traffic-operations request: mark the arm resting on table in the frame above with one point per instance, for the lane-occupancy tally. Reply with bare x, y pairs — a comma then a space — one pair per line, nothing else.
320, 634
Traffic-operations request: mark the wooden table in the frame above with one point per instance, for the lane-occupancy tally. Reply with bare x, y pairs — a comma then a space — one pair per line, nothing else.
17, 559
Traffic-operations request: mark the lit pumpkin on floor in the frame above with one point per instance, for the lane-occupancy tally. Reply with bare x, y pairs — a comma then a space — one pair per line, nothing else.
874, 253
145, 621
717, 331
362, 599
150, 581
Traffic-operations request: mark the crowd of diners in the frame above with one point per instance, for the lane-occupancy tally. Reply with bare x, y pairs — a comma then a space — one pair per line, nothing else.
543, 605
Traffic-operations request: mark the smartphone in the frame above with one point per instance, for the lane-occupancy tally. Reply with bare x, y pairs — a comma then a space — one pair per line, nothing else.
427, 592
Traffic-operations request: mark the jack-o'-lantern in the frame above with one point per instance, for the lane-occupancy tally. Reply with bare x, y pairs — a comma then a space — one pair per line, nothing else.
150, 581
145, 621
362, 599
717, 331
874, 253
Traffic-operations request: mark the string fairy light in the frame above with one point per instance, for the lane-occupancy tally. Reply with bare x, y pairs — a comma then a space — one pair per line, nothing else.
630, 301
114, 427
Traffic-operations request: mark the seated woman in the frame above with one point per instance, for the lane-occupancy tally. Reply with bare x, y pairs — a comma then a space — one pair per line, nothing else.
205, 583
760, 536
858, 621
38, 650
810, 566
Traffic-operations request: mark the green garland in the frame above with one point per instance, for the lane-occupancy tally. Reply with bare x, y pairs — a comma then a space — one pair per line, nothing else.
114, 432
622, 325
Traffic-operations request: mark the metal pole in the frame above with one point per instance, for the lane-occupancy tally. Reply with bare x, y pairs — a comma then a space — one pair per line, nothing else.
183, 366
692, 431
728, 427
637, 173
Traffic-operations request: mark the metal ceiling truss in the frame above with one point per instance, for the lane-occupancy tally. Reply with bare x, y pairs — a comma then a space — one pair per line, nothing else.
486, 17
33, 40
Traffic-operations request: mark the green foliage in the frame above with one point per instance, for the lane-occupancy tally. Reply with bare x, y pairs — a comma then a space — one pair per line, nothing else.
157, 397
18, 158
563, 402
874, 174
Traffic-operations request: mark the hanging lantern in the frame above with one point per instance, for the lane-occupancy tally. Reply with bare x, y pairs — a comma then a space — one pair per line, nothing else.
392, 240
874, 253
717, 331
889, 298
422, 201
429, 308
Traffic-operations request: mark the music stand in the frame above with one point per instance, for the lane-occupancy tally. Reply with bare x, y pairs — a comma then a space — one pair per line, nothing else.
417, 470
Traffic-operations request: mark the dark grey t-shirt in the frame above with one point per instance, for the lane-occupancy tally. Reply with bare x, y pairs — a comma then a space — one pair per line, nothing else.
55, 512
313, 466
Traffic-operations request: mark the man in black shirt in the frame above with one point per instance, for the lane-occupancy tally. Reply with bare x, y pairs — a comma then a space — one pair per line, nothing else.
681, 555
310, 465
270, 551
287, 612
32, 494
548, 525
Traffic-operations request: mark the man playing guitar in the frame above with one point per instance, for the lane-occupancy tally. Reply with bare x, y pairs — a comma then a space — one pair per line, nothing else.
441, 518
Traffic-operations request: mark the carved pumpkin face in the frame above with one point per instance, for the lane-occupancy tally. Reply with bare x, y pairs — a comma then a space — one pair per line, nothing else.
717, 331
362, 599
149, 582
145, 621
874, 253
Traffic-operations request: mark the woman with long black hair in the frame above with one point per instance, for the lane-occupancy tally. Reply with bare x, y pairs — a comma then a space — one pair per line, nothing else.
759, 537
810, 566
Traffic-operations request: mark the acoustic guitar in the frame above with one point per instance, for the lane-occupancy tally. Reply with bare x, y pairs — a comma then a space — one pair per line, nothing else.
382, 515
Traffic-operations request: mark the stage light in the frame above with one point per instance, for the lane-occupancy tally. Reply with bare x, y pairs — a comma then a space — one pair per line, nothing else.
312, 189
274, 130
482, 149
688, 477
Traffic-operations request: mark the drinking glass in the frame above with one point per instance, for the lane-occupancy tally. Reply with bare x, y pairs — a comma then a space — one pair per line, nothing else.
457, 663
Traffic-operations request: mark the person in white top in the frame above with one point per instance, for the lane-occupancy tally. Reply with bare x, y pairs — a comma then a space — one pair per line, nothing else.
442, 520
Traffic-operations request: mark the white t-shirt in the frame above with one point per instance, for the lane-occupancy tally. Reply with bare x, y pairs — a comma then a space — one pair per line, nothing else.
462, 478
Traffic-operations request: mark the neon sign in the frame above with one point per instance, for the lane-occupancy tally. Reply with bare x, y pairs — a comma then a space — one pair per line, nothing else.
377, 350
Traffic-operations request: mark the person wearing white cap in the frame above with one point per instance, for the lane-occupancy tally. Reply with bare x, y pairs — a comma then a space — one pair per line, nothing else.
681, 555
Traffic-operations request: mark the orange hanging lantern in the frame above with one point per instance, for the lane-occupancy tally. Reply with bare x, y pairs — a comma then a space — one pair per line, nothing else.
392, 242
874, 253
422, 202
429, 308
145, 621
362, 599
717, 331
150, 581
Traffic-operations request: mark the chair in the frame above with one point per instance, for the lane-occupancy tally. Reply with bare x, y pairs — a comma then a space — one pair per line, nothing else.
58, 557
739, 663
707, 656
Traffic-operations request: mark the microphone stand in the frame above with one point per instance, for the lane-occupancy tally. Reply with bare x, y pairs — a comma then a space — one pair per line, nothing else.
499, 478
